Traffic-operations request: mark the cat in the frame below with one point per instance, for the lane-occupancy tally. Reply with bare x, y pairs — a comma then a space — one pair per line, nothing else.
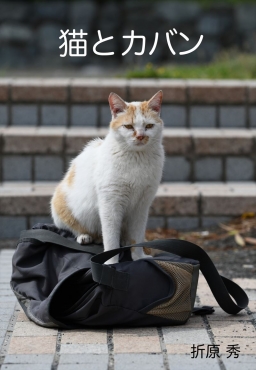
110, 185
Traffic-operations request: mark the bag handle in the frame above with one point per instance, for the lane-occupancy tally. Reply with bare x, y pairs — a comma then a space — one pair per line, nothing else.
220, 286
47, 236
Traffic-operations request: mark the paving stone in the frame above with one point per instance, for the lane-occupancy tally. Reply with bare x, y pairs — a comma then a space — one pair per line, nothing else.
4, 318
7, 298
84, 337
84, 358
245, 361
246, 283
22, 317
247, 345
220, 315
84, 348
186, 362
208, 169
138, 361
54, 115
233, 329
84, 115
232, 116
30, 329
32, 345
4, 325
6, 292
17, 168
239, 169
11, 226
179, 348
182, 223
185, 336
82, 366
24, 115
3, 115
202, 116
173, 115
48, 168
176, 169
28, 359
1, 341
2, 333
25, 367
137, 340
251, 294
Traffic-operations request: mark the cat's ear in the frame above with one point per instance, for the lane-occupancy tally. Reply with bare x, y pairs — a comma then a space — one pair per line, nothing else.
156, 101
117, 104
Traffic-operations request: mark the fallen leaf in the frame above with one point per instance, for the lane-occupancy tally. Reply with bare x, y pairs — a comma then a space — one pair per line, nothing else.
226, 227
239, 240
250, 240
248, 215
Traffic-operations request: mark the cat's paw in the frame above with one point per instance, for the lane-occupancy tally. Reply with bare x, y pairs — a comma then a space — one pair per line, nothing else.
138, 253
84, 239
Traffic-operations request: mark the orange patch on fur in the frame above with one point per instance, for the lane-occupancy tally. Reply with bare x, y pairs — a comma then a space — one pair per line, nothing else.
147, 251
147, 112
124, 118
64, 213
144, 107
71, 175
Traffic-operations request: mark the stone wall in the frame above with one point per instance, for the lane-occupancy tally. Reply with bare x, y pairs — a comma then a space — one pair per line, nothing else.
29, 31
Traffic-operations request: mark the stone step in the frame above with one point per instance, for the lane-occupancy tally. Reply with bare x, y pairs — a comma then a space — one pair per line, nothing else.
84, 102
178, 206
43, 154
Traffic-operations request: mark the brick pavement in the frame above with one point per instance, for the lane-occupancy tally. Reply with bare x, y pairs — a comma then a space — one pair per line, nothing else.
25, 345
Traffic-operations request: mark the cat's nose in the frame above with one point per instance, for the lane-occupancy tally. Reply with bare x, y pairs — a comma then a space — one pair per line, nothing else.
141, 137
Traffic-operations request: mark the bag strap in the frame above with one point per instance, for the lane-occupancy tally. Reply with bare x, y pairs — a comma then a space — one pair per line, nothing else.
220, 286
47, 236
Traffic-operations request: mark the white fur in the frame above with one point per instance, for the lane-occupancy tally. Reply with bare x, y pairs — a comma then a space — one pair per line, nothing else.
115, 183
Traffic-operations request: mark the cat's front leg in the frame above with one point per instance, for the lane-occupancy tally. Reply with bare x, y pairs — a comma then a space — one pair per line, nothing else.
134, 230
111, 209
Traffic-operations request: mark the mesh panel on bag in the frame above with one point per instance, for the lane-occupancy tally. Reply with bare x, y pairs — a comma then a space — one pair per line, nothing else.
179, 306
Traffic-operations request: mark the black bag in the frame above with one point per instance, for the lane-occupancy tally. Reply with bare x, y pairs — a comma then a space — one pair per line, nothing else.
60, 283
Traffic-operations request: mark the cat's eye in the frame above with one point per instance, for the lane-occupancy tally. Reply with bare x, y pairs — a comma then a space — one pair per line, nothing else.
150, 125
129, 127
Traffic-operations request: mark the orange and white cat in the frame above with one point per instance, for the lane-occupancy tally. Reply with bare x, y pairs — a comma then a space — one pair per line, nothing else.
109, 187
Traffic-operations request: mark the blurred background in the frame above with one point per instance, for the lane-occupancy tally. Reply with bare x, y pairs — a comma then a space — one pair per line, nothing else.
30, 31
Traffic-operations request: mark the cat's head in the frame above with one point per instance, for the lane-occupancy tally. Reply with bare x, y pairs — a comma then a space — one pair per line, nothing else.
136, 124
